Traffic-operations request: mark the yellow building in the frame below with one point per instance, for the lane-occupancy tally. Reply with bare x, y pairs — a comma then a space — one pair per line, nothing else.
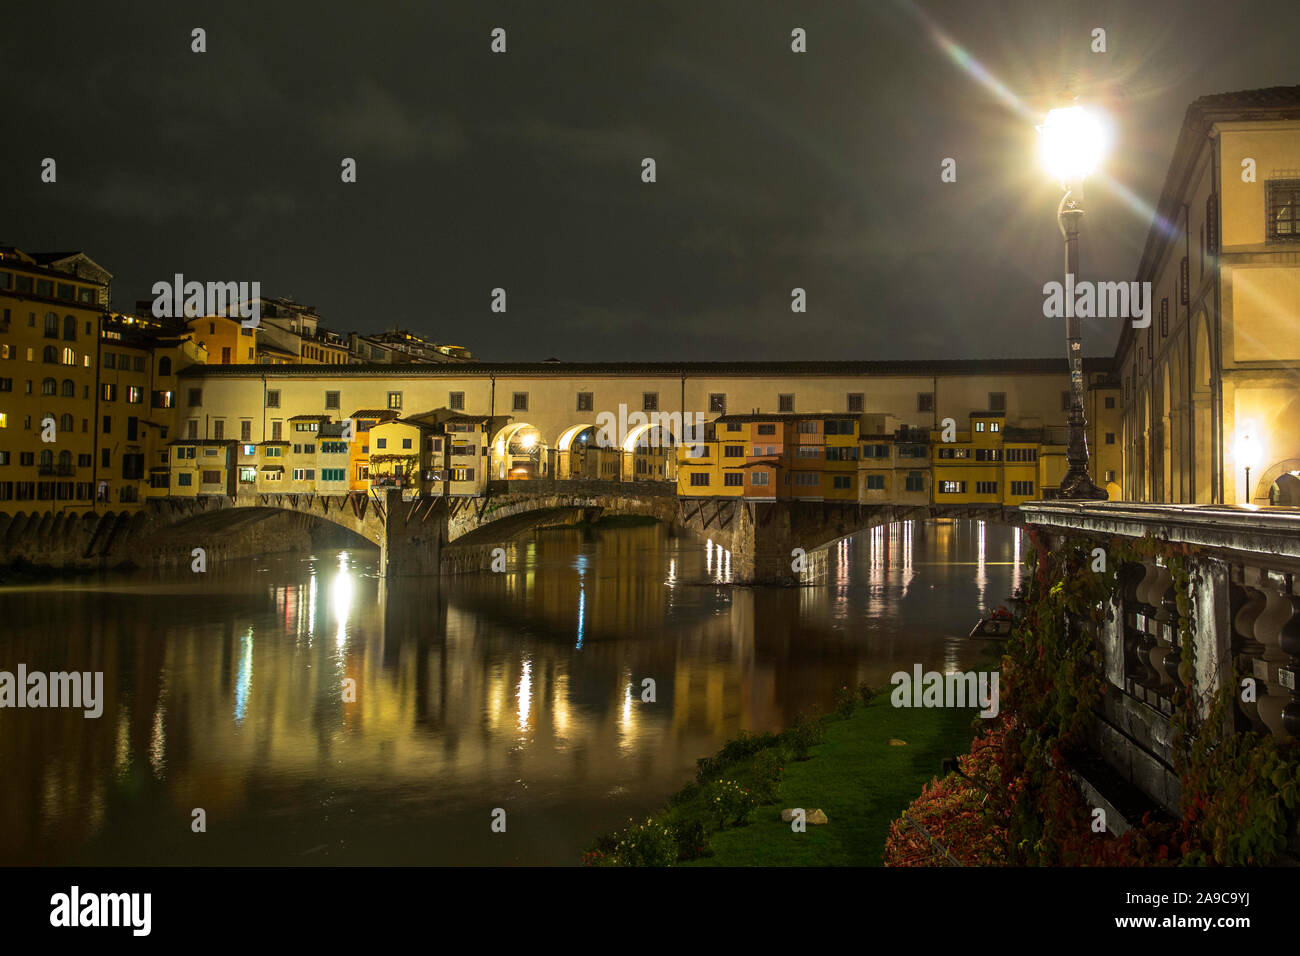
50, 308
1209, 388
202, 466
226, 340
363, 420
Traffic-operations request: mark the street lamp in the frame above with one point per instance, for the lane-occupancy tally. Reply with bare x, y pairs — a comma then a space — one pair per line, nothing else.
1071, 143
1248, 454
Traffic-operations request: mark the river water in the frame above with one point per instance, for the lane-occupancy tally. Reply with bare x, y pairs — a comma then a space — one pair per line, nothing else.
317, 715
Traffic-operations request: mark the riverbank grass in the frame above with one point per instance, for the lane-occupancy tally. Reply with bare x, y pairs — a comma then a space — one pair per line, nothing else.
858, 779
864, 764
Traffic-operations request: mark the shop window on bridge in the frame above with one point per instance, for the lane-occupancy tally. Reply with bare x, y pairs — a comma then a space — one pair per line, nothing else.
914, 481
766, 429
462, 474
760, 478
842, 482
700, 479
952, 487
1021, 488
733, 479
844, 453
248, 474
806, 479
988, 454
838, 426
986, 487
733, 451
875, 482
876, 451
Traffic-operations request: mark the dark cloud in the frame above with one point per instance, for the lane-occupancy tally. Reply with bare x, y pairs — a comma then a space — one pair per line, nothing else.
775, 170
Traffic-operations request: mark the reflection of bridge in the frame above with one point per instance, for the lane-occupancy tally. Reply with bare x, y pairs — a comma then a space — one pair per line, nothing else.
432, 535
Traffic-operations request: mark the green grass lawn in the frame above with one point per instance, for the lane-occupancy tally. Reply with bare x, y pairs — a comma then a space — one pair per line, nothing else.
857, 779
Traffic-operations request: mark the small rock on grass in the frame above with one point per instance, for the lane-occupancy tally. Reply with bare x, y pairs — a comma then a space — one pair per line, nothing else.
810, 816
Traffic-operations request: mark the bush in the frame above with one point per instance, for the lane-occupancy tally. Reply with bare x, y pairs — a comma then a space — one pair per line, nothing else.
807, 732
846, 702
730, 802
651, 843
768, 768
865, 692
692, 840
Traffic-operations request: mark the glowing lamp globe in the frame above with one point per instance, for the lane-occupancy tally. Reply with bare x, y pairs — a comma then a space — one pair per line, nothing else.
1072, 142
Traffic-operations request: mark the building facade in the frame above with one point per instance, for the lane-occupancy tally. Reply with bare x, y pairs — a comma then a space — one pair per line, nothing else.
1212, 387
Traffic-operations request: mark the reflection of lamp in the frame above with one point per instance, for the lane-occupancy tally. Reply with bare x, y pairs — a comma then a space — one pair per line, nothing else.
1248, 453
1071, 144
528, 441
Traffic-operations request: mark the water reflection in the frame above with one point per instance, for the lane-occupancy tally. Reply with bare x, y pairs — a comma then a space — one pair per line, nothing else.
521, 690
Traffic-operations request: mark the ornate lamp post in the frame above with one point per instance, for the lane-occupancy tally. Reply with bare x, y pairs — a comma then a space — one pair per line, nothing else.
1072, 142
1248, 454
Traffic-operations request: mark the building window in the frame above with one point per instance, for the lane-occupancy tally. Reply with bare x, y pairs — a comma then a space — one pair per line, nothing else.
785, 403
718, 403
952, 487
986, 487
70, 357
733, 479
1110, 438
808, 479
1282, 199
586, 401
273, 398
331, 399
875, 482
110, 393
395, 400
195, 397
733, 451
997, 401
1110, 401
456, 401
914, 482
925, 401
519, 402
277, 431
841, 482
219, 429
1164, 317
855, 402
762, 478
134, 394
184, 478
212, 477
979, 426
108, 425
650, 401
700, 479
1020, 488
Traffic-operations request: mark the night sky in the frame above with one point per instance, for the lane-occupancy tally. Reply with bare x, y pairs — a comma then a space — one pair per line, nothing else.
523, 170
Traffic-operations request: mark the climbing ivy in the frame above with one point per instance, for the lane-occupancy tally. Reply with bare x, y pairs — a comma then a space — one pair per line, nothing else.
1240, 790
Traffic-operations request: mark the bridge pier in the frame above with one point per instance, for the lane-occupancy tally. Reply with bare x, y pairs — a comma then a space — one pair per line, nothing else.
413, 536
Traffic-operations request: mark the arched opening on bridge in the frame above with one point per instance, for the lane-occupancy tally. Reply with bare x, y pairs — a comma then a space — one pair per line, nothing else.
518, 452
649, 453
580, 455
1285, 490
